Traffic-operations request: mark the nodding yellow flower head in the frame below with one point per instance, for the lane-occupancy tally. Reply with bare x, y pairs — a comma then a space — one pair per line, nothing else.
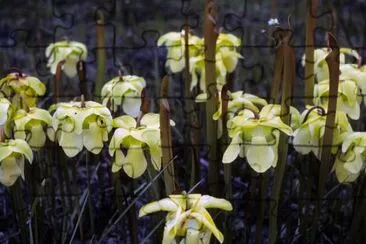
31, 125
6, 113
17, 84
188, 217
309, 136
352, 158
12, 153
79, 124
226, 60
174, 41
69, 51
348, 99
255, 136
124, 91
320, 65
129, 141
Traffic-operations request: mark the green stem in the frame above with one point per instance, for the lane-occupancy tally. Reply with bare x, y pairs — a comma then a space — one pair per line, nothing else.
20, 209
333, 64
166, 138
192, 135
101, 55
309, 51
210, 37
288, 77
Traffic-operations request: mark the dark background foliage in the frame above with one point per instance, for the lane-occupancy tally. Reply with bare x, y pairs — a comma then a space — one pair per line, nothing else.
131, 31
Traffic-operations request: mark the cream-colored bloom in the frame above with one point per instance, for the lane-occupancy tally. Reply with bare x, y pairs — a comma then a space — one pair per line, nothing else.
124, 91
255, 138
348, 99
30, 126
309, 136
12, 153
357, 74
320, 66
188, 218
69, 51
352, 159
28, 87
6, 113
77, 126
226, 60
128, 136
174, 41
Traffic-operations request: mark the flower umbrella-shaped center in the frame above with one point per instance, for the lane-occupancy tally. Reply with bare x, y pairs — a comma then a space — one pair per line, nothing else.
80, 124
134, 139
124, 91
12, 154
188, 215
256, 138
30, 125
70, 52
352, 158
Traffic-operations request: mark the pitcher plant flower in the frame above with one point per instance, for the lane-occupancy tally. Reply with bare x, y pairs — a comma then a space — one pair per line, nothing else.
12, 154
69, 51
31, 126
175, 43
309, 136
274, 110
348, 99
237, 101
188, 217
6, 114
124, 91
356, 74
17, 84
80, 124
129, 141
226, 60
255, 136
321, 70
351, 161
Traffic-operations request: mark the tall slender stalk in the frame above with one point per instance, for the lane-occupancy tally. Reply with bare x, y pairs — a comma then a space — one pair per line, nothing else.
192, 121
101, 55
56, 82
83, 85
333, 64
288, 77
210, 37
309, 51
166, 137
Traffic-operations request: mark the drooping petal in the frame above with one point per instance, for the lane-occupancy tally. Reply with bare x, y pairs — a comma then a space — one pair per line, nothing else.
131, 104
9, 171
207, 221
135, 163
71, 143
165, 204
119, 159
259, 154
233, 149
93, 138
302, 140
207, 201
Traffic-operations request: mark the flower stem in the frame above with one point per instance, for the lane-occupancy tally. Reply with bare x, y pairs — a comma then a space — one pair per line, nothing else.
101, 55
56, 82
166, 138
83, 84
333, 64
309, 51
192, 122
210, 37
288, 77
